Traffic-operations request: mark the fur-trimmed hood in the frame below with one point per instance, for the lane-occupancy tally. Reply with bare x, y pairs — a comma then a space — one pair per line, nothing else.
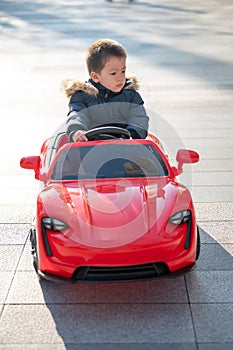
69, 87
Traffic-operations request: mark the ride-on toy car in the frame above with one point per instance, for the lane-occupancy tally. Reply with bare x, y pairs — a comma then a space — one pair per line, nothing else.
111, 209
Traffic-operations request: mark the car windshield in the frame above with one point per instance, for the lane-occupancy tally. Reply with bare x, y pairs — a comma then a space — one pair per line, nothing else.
109, 161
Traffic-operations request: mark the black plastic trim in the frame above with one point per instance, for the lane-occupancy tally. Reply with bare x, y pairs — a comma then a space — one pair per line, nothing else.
188, 234
46, 241
60, 279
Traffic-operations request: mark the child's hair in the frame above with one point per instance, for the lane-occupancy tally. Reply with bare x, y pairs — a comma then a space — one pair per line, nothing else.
100, 51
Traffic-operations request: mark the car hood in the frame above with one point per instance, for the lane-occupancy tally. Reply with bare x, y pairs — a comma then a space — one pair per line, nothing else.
116, 213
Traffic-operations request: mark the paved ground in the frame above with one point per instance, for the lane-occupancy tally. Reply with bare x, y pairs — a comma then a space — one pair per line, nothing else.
182, 52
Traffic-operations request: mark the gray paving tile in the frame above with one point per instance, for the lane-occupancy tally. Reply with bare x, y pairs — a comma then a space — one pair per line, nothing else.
100, 323
16, 214
190, 54
216, 231
213, 152
132, 346
178, 103
17, 181
217, 346
211, 164
6, 279
102, 346
212, 178
216, 257
213, 322
26, 289
13, 233
36, 347
199, 134
210, 194
23, 196
204, 133
26, 260
210, 286
220, 142
10, 256
214, 211
17, 330
207, 117
188, 95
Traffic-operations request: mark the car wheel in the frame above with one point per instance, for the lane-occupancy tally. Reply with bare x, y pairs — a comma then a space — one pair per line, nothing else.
34, 249
198, 244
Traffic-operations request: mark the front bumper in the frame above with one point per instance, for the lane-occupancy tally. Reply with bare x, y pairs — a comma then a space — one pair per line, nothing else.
107, 274
159, 255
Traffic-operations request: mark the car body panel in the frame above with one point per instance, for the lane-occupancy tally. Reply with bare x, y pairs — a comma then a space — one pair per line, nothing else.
112, 222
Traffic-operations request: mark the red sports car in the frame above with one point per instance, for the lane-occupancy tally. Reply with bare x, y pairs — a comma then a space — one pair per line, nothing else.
111, 209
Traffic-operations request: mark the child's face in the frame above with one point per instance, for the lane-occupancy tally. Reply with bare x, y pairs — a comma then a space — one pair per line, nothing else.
112, 76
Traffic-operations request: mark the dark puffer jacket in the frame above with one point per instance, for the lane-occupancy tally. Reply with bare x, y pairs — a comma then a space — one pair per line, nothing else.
92, 105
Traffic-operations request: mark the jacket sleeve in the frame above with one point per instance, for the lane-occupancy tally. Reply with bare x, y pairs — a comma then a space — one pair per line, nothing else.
78, 115
137, 119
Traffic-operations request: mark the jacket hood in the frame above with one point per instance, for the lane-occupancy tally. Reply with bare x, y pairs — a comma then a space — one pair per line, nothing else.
69, 87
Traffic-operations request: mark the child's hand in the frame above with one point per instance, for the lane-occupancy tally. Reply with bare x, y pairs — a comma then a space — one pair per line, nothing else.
79, 136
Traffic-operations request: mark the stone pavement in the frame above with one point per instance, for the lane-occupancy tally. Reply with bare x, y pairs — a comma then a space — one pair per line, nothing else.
182, 52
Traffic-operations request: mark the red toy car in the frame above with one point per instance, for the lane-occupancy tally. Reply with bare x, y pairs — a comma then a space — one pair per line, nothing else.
111, 209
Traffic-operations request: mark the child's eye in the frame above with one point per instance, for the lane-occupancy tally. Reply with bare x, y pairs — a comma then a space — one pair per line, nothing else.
113, 73
123, 71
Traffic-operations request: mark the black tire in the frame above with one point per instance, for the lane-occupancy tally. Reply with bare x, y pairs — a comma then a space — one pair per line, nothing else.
198, 244
34, 249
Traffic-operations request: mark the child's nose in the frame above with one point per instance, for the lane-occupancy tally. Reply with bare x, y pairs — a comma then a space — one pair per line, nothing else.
120, 76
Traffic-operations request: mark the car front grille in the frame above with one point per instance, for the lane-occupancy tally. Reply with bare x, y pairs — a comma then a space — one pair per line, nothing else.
121, 273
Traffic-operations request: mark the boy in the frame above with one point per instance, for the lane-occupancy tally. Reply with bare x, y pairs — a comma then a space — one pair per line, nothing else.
108, 97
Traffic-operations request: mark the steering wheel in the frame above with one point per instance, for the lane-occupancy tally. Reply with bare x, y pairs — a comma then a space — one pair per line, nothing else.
107, 132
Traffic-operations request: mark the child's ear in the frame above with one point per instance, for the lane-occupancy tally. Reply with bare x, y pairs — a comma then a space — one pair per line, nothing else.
95, 77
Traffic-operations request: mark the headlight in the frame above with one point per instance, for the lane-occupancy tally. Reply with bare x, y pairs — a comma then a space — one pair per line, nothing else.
180, 217
53, 224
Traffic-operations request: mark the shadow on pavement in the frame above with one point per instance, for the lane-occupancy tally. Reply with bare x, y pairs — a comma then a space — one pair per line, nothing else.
139, 312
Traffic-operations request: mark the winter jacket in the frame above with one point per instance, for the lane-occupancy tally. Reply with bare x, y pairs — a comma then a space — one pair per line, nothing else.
92, 105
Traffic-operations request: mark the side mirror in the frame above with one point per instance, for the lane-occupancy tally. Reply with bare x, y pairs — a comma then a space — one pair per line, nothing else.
187, 156
33, 163
184, 156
